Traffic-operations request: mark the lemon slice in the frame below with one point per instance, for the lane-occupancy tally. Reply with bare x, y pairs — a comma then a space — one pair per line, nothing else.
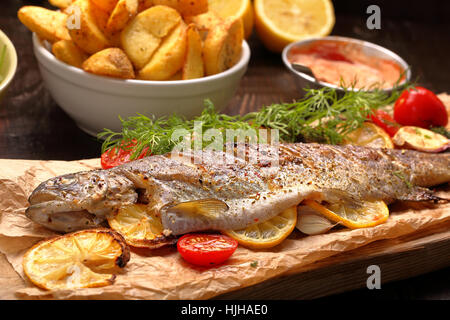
83, 259
354, 216
139, 227
235, 9
281, 22
369, 135
266, 234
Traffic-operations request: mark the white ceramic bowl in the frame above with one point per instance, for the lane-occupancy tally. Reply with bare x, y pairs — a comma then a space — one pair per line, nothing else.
95, 102
9, 66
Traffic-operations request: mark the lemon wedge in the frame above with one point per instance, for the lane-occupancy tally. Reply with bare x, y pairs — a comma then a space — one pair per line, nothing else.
268, 233
354, 216
279, 23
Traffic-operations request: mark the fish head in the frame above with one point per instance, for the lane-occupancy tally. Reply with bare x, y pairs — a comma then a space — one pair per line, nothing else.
79, 201
69, 187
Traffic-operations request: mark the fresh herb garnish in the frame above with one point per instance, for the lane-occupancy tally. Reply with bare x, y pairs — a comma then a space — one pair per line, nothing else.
323, 115
254, 264
2, 60
157, 133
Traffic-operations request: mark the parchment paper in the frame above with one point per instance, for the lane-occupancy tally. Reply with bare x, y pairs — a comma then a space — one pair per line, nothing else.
162, 274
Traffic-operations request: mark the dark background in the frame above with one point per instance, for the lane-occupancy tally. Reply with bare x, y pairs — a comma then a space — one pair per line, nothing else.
32, 126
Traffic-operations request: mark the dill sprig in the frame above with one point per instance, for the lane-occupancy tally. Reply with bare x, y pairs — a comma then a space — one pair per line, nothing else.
157, 134
322, 115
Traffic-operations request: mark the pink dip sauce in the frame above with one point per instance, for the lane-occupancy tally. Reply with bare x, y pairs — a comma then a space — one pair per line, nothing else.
344, 64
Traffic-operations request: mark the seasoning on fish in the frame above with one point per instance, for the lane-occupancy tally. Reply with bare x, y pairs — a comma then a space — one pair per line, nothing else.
243, 191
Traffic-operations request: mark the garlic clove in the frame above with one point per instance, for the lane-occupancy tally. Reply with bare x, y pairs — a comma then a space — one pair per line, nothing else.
312, 223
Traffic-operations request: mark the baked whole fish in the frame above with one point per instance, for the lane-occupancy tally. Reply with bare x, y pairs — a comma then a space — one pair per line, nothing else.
226, 191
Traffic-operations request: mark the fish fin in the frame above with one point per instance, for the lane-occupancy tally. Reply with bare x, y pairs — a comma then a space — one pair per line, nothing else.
211, 208
421, 194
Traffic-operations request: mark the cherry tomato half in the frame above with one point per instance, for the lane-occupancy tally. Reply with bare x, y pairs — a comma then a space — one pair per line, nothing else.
420, 107
206, 250
116, 156
384, 120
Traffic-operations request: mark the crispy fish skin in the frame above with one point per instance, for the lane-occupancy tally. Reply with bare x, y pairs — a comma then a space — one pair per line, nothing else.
251, 192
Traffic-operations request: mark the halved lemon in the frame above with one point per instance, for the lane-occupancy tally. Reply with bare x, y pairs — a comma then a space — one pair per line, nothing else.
281, 22
140, 227
83, 259
235, 9
369, 135
266, 234
353, 215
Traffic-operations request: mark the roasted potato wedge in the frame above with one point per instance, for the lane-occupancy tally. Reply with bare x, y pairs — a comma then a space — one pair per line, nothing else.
193, 64
62, 4
68, 52
185, 7
89, 36
223, 45
83, 259
204, 22
101, 19
111, 62
124, 12
144, 33
105, 5
169, 58
47, 24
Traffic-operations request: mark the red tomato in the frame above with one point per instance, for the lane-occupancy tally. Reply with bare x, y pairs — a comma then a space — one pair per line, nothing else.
420, 107
116, 156
206, 249
383, 119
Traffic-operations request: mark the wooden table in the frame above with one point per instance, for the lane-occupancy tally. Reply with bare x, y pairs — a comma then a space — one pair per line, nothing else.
32, 126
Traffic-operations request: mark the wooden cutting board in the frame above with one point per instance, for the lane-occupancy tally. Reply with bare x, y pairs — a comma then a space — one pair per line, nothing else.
398, 259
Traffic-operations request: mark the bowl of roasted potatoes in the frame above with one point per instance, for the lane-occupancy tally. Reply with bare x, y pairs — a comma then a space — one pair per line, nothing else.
101, 59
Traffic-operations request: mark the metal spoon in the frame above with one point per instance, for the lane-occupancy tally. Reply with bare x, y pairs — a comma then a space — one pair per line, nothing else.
303, 69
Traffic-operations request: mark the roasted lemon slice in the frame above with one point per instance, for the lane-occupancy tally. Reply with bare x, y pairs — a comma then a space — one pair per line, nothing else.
139, 227
369, 135
236, 9
82, 259
266, 234
280, 22
354, 216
